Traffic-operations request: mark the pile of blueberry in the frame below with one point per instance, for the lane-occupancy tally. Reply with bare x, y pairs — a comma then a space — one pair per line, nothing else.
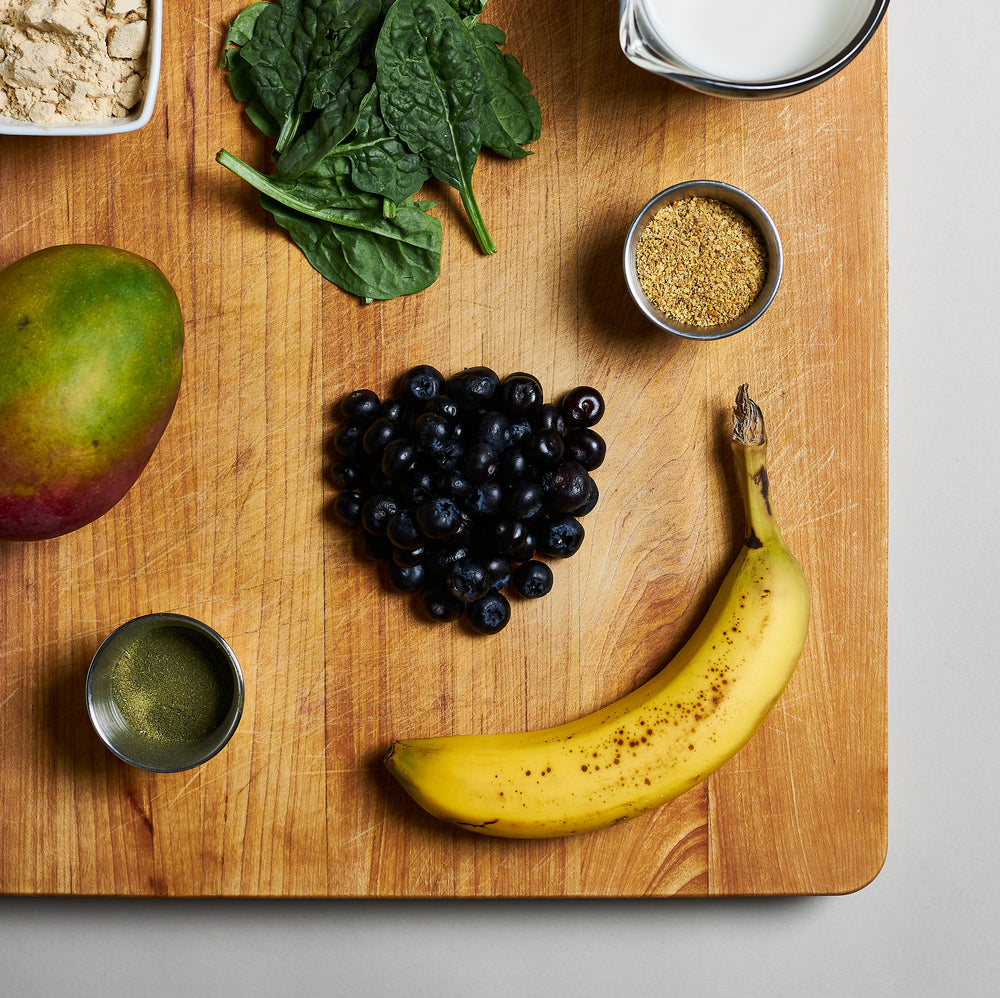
462, 485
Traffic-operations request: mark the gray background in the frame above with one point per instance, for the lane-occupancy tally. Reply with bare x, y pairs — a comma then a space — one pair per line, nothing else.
928, 924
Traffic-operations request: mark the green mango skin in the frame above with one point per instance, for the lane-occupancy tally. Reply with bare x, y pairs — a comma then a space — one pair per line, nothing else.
91, 342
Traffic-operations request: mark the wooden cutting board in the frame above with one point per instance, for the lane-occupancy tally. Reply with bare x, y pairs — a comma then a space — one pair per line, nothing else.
227, 523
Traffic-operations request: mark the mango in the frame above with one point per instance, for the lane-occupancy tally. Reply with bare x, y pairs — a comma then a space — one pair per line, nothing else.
91, 342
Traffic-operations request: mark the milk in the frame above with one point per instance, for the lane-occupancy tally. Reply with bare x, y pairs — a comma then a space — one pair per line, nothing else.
752, 40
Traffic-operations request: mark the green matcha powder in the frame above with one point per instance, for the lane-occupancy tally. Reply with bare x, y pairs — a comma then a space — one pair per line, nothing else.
170, 687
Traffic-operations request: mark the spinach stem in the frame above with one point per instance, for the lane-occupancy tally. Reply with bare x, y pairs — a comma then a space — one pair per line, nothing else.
266, 185
486, 243
287, 133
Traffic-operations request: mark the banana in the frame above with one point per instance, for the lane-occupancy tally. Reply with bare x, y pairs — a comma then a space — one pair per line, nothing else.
661, 739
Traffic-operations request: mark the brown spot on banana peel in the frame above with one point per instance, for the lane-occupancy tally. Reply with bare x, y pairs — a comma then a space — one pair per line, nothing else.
761, 481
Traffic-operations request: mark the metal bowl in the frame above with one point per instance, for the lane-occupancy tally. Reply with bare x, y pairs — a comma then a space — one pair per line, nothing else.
158, 725
739, 200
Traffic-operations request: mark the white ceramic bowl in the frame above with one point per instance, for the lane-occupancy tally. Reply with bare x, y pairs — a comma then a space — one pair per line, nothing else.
112, 126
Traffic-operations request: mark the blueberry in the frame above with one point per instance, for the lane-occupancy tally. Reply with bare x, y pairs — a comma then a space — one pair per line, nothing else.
583, 406
507, 535
480, 463
474, 387
403, 531
487, 499
419, 384
433, 431
544, 448
392, 410
378, 436
520, 430
347, 508
439, 604
407, 578
468, 580
533, 579
567, 487
347, 474
550, 417
361, 405
452, 485
586, 446
524, 499
521, 394
489, 614
399, 456
347, 439
560, 535
498, 569
494, 430
438, 517
376, 513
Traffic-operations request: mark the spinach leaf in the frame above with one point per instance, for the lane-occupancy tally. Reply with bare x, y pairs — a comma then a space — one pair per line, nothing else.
367, 254
433, 94
514, 117
380, 162
329, 127
276, 55
238, 70
305, 59
339, 76
241, 29
363, 244
468, 10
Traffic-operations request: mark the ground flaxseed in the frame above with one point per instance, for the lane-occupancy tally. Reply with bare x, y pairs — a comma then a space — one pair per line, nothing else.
701, 262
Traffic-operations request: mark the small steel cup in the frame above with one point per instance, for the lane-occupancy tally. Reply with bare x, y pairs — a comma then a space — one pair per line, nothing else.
742, 202
147, 749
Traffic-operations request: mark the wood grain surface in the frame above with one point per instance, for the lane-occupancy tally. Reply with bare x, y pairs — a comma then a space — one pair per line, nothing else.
228, 523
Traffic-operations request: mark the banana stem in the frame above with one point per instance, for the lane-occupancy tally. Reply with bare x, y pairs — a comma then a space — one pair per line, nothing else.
749, 445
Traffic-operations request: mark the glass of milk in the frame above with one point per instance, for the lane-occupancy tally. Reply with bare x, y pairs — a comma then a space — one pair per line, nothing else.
750, 49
